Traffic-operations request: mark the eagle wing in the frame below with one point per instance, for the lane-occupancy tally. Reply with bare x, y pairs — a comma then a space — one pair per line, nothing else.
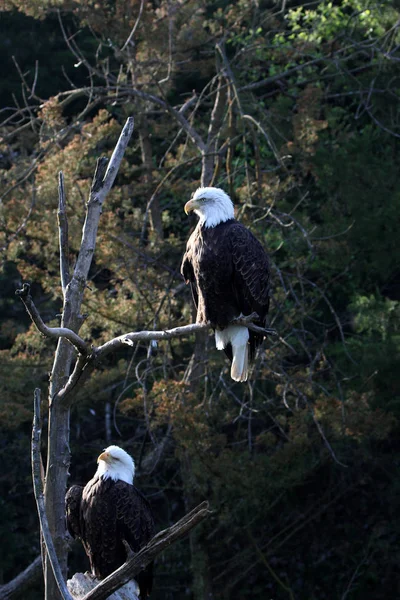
134, 516
136, 525
73, 499
99, 527
187, 270
251, 271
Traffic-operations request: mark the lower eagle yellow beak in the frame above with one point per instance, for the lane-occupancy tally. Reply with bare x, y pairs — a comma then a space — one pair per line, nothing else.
104, 456
191, 205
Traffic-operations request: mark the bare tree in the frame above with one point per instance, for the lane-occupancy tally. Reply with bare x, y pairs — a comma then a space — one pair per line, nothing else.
74, 360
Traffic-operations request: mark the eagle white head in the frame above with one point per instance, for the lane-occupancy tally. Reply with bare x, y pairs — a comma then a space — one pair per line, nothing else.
212, 205
117, 464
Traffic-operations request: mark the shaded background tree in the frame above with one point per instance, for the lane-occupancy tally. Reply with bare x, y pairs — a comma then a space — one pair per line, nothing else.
307, 144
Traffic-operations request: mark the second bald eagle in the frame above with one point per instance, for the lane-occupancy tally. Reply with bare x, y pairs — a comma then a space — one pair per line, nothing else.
108, 510
228, 271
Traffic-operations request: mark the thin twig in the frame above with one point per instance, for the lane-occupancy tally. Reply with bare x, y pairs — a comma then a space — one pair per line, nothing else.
132, 33
263, 559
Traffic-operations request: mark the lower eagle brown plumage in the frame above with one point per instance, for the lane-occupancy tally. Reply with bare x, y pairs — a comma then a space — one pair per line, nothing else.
104, 513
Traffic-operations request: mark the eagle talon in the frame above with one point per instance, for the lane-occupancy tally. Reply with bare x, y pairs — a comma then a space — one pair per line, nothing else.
243, 319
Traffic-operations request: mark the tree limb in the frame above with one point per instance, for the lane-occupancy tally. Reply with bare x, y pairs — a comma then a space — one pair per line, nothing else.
132, 33
50, 332
134, 336
89, 353
89, 356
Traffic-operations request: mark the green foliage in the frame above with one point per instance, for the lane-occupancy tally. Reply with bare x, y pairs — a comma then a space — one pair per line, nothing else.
329, 20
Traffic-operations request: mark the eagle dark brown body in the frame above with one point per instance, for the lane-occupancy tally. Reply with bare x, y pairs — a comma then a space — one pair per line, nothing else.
228, 270
104, 513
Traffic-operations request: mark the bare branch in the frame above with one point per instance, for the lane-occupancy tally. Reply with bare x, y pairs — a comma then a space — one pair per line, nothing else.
322, 434
34, 80
24, 222
39, 497
189, 103
248, 322
63, 233
89, 353
50, 332
132, 33
116, 158
89, 356
170, 27
267, 137
80, 373
130, 338
216, 120
279, 76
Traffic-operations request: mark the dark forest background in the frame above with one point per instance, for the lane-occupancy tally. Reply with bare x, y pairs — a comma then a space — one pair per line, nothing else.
301, 464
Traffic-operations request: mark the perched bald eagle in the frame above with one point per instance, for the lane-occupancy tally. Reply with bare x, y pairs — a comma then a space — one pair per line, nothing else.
106, 511
228, 271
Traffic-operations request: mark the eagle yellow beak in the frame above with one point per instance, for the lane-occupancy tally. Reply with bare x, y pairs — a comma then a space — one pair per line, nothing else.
104, 456
191, 205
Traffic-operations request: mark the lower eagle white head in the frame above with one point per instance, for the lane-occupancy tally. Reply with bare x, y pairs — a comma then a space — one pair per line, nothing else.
212, 205
116, 464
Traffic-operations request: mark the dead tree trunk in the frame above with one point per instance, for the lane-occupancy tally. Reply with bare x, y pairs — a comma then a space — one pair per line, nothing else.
58, 454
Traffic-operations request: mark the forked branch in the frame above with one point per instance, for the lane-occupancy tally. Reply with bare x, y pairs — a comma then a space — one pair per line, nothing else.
89, 356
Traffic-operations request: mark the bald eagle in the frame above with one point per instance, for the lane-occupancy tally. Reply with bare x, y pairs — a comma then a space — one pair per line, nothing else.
106, 511
228, 271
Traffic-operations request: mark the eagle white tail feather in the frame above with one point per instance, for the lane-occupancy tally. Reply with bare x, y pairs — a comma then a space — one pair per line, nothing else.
238, 337
240, 363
